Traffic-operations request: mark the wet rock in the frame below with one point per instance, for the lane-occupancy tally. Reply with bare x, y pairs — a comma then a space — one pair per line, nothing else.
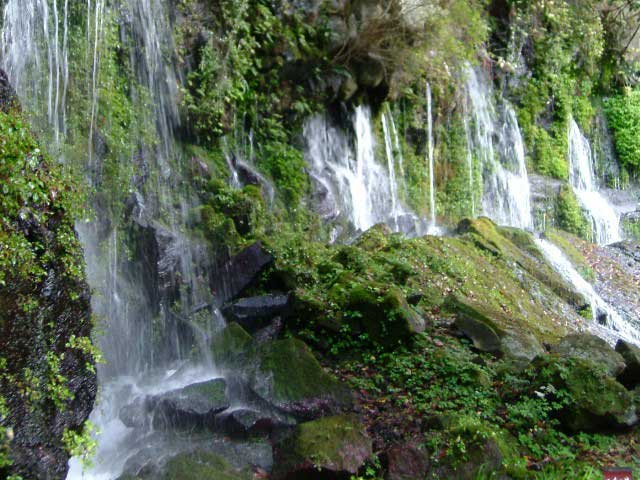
230, 345
630, 377
194, 406
238, 273
592, 348
255, 312
271, 332
8, 97
406, 462
194, 465
520, 347
332, 447
244, 422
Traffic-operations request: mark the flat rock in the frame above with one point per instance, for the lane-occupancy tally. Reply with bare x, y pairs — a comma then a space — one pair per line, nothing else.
254, 313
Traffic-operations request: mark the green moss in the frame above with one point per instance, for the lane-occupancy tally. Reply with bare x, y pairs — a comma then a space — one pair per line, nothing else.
336, 443
623, 115
230, 345
294, 372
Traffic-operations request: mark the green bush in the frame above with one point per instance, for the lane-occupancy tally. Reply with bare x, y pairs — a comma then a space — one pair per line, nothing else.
623, 114
569, 214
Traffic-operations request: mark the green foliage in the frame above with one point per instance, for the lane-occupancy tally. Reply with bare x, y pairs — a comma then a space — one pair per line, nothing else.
569, 214
286, 166
623, 115
81, 444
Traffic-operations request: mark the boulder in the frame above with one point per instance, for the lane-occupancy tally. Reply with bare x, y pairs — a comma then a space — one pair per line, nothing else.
270, 332
254, 313
194, 465
332, 447
194, 406
630, 377
245, 422
239, 272
598, 402
287, 375
477, 324
384, 315
592, 348
520, 347
229, 346
406, 462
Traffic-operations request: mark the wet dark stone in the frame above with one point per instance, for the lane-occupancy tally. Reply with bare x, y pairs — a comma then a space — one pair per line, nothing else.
243, 423
8, 97
254, 313
270, 332
234, 275
630, 377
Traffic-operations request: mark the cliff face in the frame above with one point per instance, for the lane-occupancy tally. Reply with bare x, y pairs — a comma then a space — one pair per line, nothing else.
47, 375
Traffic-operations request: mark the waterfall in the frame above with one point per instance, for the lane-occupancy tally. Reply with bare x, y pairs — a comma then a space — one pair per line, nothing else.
349, 181
387, 121
605, 221
430, 157
607, 322
34, 54
497, 142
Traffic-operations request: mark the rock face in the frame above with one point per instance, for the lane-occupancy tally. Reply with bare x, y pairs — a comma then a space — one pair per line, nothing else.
406, 462
42, 317
332, 447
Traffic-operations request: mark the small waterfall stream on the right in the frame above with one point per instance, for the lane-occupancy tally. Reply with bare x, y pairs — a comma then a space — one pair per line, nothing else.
607, 322
605, 221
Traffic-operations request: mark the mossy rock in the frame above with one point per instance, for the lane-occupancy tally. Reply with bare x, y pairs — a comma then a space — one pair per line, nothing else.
592, 348
374, 239
383, 314
230, 345
331, 447
286, 374
594, 400
196, 465
484, 451
477, 323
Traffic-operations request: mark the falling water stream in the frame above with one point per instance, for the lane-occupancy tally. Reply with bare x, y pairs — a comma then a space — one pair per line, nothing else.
605, 221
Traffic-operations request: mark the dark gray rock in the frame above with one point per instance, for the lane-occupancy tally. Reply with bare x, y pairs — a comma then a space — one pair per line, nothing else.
238, 273
254, 313
246, 422
194, 406
269, 333
8, 97
630, 377
406, 462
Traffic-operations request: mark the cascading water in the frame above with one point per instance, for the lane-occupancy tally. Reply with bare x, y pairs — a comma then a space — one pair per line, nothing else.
34, 47
605, 221
607, 323
387, 127
433, 227
496, 140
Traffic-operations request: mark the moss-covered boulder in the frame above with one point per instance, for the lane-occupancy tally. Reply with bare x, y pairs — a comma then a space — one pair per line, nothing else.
590, 399
332, 447
197, 465
592, 348
286, 374
382, 313
476, 323
229, 346
630, 377
475, 449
